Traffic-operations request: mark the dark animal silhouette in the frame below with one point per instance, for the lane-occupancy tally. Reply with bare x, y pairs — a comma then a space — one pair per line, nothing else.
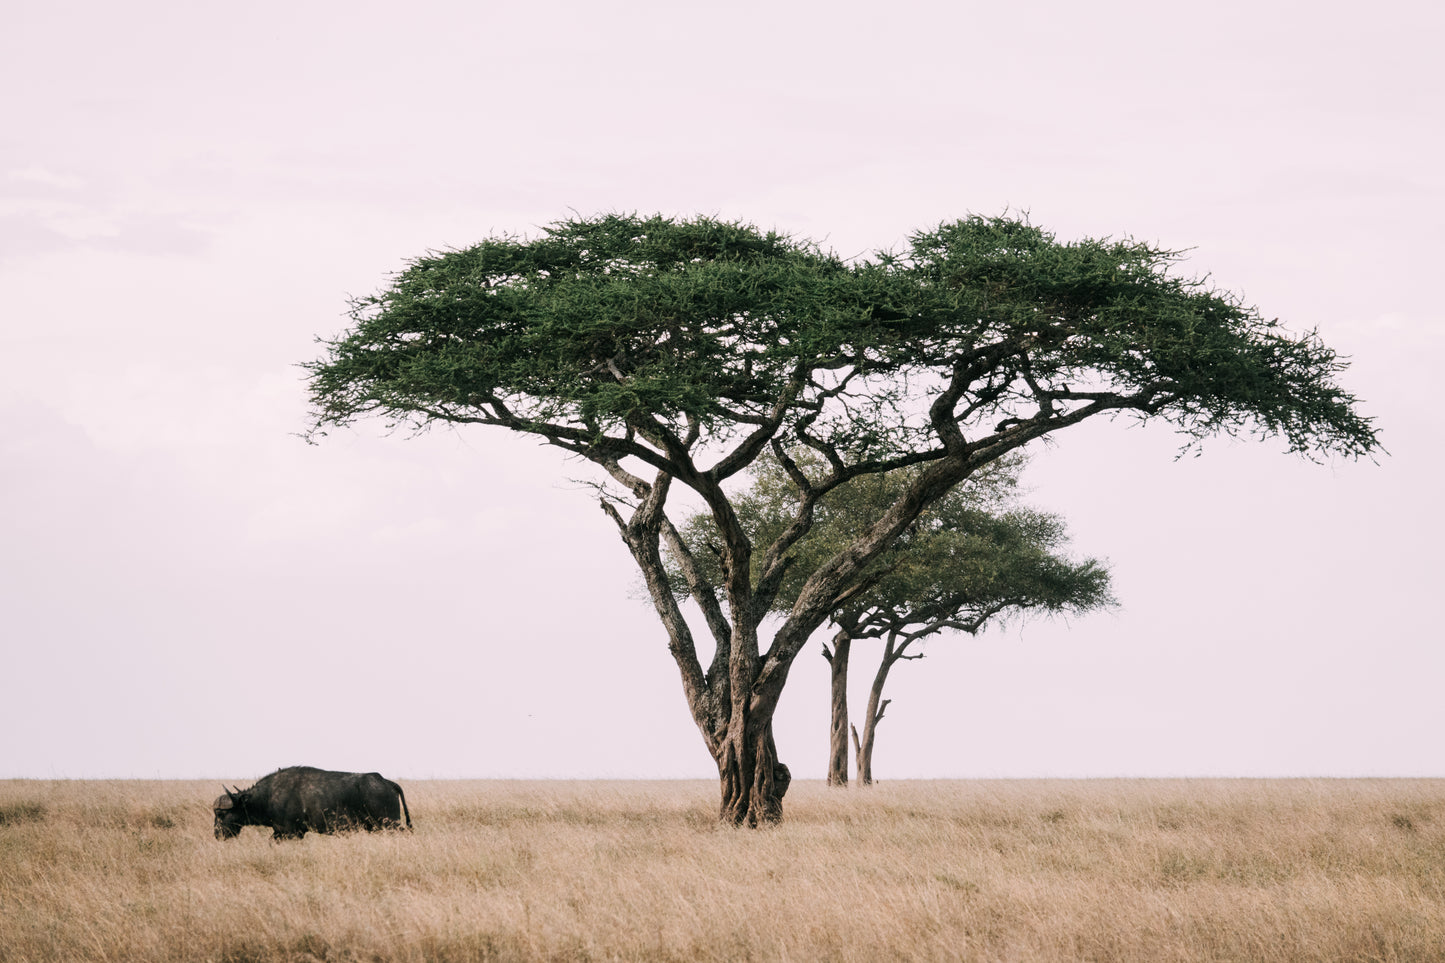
292, 801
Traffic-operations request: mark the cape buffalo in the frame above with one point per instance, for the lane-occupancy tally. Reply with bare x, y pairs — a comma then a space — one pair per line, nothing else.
293, 800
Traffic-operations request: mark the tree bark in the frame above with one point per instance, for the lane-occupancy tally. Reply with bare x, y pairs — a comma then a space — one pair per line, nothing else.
753, 780
838, 727
876, 707
732, 704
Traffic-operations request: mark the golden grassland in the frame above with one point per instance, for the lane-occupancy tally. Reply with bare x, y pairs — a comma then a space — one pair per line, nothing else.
1147, 870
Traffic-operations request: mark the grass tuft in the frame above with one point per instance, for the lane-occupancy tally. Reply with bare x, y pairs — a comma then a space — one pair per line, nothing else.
1403, 822
21, 811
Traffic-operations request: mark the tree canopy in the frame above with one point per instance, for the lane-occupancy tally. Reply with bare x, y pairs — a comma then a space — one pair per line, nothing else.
975, 550
676, 351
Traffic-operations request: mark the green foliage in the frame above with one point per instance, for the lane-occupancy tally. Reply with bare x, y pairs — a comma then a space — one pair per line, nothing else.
1109, 314
593, 324
602, 324
973, 556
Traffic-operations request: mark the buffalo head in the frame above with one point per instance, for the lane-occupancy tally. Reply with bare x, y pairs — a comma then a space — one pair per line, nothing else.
230, 812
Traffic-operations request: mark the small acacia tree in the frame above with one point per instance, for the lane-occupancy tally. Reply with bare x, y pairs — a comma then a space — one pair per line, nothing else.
972, 557
970, 571
675, 352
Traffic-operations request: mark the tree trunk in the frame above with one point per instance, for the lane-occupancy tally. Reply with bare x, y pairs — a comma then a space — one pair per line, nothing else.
753, 780
838, 728
876, 706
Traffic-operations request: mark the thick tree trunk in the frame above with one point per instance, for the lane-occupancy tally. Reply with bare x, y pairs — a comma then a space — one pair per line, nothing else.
838, 727
753, 780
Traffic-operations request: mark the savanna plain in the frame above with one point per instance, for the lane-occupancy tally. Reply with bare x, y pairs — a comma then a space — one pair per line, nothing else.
1100, 870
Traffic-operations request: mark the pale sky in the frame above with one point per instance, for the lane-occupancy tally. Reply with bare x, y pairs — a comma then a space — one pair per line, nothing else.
190, 193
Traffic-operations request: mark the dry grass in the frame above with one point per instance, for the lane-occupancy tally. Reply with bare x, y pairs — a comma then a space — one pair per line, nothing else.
1098, 870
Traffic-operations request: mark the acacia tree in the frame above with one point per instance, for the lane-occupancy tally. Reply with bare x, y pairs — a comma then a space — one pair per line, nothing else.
675, 352
968, 573
973, 557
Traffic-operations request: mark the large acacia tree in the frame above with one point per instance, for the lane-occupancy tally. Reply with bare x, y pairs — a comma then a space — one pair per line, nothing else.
675, 352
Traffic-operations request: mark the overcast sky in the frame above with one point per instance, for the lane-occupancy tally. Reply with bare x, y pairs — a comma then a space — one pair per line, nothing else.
190, 193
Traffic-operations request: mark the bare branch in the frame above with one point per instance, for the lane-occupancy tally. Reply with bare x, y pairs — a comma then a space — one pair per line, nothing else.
700, 588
